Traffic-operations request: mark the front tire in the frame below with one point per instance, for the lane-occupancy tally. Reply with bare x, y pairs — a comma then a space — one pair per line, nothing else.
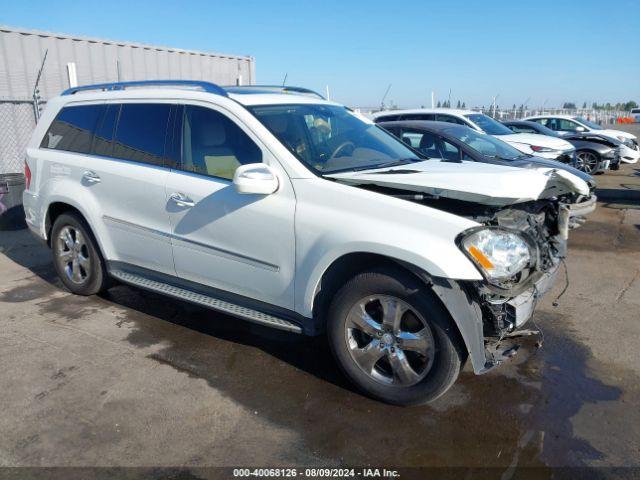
587, 161
76, 256
393, 339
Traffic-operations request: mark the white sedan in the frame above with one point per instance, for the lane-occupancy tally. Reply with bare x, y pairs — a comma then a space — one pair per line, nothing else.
567, 124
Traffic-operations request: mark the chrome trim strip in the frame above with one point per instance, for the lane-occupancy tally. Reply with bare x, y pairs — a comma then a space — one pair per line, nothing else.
133, 226
228, 254
213, 250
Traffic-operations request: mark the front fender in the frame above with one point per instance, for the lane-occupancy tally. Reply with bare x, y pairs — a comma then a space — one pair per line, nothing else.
313, 273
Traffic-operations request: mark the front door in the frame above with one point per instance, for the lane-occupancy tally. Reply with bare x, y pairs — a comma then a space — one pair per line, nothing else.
243, 244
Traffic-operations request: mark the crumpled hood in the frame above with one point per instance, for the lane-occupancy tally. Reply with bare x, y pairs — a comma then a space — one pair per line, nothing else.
471, 181
539, 140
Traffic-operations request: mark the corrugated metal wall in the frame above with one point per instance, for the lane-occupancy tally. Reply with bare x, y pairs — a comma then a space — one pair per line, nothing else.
97, 61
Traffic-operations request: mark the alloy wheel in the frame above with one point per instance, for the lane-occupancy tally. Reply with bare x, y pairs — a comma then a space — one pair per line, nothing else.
587, 162
72, 253
389, 340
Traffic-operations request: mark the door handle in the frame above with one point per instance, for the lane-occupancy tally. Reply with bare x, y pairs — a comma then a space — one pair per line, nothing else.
91, 177
181, 200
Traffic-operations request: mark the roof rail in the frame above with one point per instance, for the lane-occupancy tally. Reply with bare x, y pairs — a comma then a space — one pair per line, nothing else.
248, 89
205, 86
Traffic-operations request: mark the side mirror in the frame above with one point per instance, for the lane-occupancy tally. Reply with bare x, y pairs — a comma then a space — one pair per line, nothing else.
580, 129
256, 179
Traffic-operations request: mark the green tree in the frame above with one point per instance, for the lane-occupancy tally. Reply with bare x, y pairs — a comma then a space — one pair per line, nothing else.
464, 105
439, 105
584, 105
569, 105
458, 106
630, 104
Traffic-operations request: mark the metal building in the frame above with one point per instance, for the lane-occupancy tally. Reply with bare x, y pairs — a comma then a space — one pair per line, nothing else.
72, 60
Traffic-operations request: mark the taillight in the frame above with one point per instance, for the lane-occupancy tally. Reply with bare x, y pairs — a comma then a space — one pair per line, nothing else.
27, 174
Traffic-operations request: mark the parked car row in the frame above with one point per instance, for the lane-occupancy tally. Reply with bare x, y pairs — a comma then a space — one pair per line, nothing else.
276, 206
594, 153
570, 140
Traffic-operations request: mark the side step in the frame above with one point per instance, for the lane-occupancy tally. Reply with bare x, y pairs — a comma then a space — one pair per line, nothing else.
205, 301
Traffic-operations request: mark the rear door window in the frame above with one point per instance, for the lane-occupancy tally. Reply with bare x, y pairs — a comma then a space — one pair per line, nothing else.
449, 119
103, 138
73, 129
141, 133
419, 116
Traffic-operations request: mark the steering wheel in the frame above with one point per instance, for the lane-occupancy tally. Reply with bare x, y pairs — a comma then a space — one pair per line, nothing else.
341, 147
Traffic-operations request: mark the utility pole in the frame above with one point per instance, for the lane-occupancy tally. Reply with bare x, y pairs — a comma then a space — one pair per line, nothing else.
328, 96
384, 97
433, 99
36, 91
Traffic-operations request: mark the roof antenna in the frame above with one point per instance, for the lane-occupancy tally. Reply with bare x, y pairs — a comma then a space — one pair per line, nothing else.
285, 79
384, 97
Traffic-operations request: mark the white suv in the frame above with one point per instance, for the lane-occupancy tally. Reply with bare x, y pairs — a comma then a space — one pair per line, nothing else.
276, 206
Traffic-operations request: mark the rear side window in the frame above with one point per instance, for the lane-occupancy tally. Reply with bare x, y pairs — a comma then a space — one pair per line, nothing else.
419, 116
387, 118
73, 128
141, 133
449, 119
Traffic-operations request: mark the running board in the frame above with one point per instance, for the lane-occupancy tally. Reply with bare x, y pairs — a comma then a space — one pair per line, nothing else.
205, 301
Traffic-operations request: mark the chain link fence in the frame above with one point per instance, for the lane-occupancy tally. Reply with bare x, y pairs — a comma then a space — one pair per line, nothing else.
602, 117
17, 121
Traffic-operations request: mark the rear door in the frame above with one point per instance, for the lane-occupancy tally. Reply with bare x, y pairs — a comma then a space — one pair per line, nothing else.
127, 176
243, 244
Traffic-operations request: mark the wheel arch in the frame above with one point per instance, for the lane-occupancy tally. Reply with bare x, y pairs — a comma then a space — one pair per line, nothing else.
465, 315
58, 207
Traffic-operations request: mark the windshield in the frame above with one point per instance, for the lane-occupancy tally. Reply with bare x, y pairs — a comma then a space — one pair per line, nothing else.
485, 144
488, 124
588, 123
329, 138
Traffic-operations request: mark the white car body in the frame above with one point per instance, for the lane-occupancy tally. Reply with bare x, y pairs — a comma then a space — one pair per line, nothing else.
539, 145
270, 235
629, 150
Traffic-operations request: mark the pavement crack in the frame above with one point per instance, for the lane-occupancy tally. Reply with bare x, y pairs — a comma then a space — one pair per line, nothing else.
627, 286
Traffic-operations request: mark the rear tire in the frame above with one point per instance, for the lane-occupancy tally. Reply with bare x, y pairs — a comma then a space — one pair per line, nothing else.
393, 339
76, 256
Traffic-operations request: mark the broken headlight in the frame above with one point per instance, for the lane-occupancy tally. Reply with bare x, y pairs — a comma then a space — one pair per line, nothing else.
498, 253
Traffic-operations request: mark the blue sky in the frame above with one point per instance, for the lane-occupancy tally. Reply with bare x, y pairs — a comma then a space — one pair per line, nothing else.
553, 51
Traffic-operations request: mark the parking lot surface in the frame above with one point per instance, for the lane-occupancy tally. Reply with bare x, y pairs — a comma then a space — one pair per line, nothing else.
131, 378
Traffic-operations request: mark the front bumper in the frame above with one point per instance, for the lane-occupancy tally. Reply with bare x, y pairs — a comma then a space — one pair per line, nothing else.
519, 310
583, 208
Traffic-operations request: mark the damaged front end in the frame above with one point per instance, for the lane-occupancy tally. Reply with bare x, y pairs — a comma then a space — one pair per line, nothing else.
523, 219
507, 302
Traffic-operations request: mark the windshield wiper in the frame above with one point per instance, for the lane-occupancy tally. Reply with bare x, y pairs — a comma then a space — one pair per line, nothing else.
393, 163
